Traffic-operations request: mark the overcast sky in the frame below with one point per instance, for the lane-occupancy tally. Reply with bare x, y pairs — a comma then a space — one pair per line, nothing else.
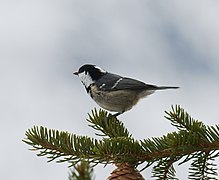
42, 42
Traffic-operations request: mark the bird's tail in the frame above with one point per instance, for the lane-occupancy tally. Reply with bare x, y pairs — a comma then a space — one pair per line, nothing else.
166, 87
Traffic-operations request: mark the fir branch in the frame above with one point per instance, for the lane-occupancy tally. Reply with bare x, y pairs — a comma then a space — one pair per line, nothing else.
72, 148
202, 167
62, 146
82, 171
193, 141
176, 143
165, 169
122, 150
107, 124
212, 133
183, 121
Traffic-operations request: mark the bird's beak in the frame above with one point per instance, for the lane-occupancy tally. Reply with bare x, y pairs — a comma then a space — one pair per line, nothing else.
75, 73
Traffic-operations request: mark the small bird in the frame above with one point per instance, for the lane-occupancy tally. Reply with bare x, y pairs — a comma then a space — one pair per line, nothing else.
113, 92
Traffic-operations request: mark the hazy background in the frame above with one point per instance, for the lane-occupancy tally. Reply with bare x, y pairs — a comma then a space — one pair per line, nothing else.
42, 42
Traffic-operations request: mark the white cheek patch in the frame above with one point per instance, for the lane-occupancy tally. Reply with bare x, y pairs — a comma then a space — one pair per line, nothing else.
101, 70
85, 79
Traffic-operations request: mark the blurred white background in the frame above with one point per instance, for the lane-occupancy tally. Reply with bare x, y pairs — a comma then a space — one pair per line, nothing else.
43, 42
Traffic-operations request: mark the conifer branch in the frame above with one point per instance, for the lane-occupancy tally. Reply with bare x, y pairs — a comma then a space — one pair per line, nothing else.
72, 148
202, 166
82, 171
107, 124
194, 141
165, 169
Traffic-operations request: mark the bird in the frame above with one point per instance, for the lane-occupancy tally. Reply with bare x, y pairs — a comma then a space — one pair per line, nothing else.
113, 92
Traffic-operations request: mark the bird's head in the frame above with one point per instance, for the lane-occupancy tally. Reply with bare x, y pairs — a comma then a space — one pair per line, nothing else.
89, 74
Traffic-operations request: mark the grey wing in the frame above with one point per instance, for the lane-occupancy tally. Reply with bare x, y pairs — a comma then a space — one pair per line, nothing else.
132, 84
113, 82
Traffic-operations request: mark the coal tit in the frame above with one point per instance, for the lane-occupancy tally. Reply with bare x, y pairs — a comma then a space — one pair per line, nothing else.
113, 92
